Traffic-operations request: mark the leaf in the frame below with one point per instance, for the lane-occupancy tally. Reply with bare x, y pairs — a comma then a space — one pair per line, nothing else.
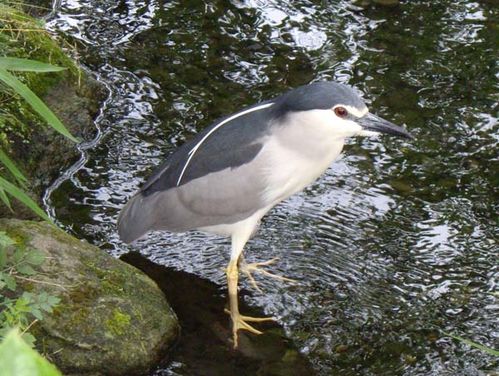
17, 358
35, 311
28, 338
35, 102
4, 330
26, 269
22, 305
35, 257
46, 307
474, 344
5, 199
27, 297
7, 162
42, 296
5, 240
18, 255
27, 65
49, 303
53, 300
23, 197
10, 282
3, 259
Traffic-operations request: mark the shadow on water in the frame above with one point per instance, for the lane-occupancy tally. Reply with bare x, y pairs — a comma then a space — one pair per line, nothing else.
204, 347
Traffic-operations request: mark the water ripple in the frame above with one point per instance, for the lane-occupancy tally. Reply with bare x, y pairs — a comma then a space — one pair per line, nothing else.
395, 243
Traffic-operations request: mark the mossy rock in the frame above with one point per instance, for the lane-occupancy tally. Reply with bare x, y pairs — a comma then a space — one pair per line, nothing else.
112, 318
37, 8
72, 94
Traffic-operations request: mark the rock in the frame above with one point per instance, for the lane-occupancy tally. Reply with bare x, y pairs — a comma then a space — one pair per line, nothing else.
112, 318
37, 8
72, 94
76, 107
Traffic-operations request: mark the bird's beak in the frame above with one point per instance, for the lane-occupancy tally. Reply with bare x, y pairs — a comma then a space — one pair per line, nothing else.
373, 123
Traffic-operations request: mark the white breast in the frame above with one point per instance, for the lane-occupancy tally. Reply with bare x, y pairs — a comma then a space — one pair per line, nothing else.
297, 154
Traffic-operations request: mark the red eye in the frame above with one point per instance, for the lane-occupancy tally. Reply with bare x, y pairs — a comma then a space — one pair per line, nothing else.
340, 111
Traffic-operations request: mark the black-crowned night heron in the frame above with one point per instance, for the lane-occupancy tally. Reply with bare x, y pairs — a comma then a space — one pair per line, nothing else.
231, 174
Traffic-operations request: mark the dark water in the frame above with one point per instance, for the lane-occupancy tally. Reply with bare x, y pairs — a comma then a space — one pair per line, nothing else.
205, 346
396, 244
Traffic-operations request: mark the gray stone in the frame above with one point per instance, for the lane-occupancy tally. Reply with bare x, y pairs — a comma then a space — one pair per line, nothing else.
112, 319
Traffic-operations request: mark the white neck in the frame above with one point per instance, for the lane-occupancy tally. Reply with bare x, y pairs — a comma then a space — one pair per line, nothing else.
299, 152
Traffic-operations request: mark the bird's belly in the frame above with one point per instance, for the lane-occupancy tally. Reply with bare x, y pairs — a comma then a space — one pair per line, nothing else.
228, 229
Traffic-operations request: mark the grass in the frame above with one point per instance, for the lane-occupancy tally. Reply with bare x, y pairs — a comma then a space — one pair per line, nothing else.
22, 40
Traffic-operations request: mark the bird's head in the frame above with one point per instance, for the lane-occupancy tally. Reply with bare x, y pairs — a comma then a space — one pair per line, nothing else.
337, 109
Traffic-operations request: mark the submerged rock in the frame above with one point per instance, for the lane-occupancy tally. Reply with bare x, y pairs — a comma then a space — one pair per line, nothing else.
112, 319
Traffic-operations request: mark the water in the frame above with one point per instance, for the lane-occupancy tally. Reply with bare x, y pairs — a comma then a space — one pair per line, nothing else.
396, 244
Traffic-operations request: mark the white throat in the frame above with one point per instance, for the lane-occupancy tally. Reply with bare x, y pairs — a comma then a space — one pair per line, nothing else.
298, 153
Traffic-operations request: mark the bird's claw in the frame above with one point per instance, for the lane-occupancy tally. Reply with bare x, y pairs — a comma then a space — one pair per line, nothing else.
240, 322
256, 267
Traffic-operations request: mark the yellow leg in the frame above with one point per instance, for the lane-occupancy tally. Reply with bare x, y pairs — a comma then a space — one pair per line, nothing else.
256, 267
238, 321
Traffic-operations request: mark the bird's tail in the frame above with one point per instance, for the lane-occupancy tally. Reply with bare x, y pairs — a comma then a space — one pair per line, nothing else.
134, 219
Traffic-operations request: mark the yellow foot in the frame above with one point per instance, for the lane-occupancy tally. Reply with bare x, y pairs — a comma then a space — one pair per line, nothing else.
256, 267
240, 322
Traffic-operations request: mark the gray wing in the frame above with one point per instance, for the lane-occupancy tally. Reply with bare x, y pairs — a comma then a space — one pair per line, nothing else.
221, 184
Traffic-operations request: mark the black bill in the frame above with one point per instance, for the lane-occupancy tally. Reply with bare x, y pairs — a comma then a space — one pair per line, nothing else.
371, 122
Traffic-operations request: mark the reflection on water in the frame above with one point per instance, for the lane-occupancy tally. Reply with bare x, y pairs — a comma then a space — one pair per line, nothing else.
396, 242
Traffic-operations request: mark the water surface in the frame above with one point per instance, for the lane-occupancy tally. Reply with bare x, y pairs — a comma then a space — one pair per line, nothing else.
396, 244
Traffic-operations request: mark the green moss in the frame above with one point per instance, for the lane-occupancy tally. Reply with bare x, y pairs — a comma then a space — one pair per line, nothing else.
119, 322
80, 320
79, 316
24, 37
111, 280
111, 317
290, 356
83, 293
17, 235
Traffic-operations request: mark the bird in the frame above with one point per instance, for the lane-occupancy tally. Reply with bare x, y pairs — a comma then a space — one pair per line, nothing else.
228, 176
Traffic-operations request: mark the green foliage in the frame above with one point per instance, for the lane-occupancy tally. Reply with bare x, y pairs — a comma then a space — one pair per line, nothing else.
22, 36
6, 186
26, 65
19, 359
22, 311
10, 165
478, 346
23, 43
